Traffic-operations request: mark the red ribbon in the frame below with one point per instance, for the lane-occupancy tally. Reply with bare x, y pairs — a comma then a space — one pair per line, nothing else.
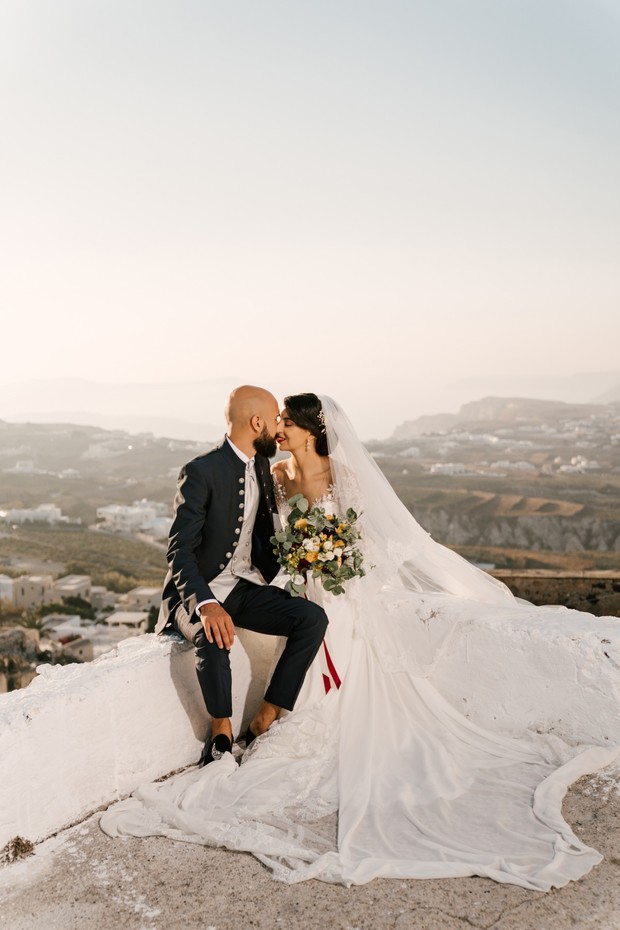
332, 671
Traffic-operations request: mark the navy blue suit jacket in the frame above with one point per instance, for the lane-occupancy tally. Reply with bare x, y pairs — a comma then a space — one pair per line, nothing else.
202, 535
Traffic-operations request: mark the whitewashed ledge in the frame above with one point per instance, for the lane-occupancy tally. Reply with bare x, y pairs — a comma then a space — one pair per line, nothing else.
81, 736
559, 671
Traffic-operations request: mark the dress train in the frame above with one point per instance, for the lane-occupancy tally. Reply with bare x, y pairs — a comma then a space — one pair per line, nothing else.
381, 777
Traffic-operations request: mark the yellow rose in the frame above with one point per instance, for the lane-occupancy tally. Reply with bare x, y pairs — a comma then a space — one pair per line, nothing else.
342, 528
339, 544
301, 523
311, 556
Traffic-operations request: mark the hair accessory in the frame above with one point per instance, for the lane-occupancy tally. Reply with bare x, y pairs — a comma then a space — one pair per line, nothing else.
321, 419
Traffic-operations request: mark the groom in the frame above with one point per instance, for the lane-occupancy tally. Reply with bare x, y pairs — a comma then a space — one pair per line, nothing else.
221, 562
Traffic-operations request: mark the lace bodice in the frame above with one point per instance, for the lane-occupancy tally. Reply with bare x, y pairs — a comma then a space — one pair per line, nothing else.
328, 501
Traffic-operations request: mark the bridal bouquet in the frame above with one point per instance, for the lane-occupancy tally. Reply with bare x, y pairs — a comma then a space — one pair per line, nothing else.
320, 545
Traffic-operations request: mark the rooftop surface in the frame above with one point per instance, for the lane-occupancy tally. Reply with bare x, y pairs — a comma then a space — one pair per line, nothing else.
84, 879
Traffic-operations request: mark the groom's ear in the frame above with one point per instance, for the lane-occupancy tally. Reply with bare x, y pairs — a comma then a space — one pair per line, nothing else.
256, 422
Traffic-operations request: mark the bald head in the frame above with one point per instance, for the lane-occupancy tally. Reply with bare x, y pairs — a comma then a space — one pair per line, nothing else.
247, 401
251, 412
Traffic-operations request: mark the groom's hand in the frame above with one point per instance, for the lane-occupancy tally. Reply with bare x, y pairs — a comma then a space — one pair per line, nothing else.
217, 625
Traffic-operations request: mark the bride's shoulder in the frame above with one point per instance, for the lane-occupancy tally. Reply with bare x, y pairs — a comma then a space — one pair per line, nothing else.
278, 470
280, 480
339, 468
342, 475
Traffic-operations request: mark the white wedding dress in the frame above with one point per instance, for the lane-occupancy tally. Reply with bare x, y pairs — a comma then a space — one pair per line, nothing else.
374, 773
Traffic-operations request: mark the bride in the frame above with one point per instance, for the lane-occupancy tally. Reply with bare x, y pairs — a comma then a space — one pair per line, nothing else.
374, 773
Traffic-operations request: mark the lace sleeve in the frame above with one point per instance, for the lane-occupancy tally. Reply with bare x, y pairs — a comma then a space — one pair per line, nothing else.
279, 492
280, 498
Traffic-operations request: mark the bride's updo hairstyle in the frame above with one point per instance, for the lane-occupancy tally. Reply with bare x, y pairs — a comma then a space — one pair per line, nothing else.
305, 411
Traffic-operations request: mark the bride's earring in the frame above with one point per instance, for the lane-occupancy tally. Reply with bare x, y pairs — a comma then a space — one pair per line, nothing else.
308, 443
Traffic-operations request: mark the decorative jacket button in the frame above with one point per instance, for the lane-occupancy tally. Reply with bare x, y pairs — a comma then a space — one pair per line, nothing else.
237, 531
242, 492
222, 566
241, 480
229, 555
239, 519
236, 543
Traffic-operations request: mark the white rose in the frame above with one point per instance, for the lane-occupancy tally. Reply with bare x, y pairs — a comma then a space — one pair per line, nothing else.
328, 544
298, 579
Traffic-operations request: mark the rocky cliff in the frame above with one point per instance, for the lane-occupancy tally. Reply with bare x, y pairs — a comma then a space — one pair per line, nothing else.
555, 533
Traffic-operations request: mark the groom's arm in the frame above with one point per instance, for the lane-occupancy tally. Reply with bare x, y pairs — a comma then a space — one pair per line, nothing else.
190, 513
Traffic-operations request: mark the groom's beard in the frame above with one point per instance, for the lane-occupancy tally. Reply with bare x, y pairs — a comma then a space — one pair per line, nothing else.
265, 444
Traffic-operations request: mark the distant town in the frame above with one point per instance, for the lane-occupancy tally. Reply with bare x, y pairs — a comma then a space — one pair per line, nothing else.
150, 519
498, 436
66, 620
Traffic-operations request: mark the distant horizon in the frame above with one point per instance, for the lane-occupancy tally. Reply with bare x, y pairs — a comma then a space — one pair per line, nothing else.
135, 416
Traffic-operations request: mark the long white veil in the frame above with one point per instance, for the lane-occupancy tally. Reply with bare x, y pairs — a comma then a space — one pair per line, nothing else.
401, 552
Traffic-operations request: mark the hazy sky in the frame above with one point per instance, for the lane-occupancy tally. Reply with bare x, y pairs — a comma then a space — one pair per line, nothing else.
367, 199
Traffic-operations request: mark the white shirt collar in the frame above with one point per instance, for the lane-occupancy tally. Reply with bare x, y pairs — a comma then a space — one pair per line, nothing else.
239, 453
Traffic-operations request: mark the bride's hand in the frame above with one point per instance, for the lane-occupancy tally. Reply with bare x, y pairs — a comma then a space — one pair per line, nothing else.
217, 625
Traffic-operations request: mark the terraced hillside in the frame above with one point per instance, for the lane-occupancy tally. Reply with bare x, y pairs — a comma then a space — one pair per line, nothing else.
542, 479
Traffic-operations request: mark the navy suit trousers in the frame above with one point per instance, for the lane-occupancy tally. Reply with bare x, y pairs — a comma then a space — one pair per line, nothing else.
265, 610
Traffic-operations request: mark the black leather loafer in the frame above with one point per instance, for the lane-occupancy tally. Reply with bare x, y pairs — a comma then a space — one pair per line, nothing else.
249, 737
214, 749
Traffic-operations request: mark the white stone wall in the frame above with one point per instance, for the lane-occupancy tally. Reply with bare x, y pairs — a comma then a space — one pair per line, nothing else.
81, 736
